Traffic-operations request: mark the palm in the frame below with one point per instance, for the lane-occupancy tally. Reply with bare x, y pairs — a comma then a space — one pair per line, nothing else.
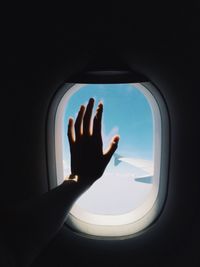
86, 146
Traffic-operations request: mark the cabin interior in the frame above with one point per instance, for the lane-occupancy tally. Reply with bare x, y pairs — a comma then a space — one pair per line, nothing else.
40, 51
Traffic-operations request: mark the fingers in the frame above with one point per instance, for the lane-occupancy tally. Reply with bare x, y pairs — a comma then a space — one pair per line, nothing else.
98, 121
83, 122
87, 117
112, 148
78, 123
70, 131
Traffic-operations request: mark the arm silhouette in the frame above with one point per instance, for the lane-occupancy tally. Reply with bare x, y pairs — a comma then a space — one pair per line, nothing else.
36, 222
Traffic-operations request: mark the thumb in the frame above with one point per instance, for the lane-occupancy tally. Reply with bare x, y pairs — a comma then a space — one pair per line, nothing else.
112, 148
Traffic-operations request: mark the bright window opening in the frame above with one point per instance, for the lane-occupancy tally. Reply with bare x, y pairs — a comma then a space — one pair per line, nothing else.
130, 194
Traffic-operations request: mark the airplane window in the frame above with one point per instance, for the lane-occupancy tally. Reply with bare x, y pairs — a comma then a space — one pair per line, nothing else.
125, 200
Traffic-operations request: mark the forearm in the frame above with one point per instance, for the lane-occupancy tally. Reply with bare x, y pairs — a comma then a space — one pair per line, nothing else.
36, 222
50, 210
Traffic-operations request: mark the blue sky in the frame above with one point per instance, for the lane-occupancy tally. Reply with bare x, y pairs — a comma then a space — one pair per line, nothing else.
127, 113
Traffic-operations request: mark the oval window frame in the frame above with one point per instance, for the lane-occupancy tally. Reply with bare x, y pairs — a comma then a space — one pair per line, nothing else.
122, 229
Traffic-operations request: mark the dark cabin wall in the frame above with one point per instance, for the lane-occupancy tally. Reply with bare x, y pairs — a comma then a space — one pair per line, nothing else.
39, 55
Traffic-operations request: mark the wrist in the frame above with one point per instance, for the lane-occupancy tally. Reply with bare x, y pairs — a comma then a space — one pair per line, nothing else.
79, 181
72, 177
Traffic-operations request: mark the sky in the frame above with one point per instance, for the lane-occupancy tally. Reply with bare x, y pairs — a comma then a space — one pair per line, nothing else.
127, 113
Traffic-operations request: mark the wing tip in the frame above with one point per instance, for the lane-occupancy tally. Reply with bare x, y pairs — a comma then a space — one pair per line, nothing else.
117, 160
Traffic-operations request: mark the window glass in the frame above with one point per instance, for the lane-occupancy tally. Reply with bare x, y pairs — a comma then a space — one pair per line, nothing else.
130, 193
127, 180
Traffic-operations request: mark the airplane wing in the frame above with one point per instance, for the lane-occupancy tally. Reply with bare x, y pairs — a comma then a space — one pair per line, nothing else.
145, 179
144, 165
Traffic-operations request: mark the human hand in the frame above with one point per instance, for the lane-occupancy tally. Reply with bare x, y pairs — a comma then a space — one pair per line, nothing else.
88, 160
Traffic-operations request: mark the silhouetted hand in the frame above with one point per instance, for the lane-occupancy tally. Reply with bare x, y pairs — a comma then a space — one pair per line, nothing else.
87, 157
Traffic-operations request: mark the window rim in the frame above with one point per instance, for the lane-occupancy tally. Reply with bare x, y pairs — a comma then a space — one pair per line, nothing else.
158, 205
